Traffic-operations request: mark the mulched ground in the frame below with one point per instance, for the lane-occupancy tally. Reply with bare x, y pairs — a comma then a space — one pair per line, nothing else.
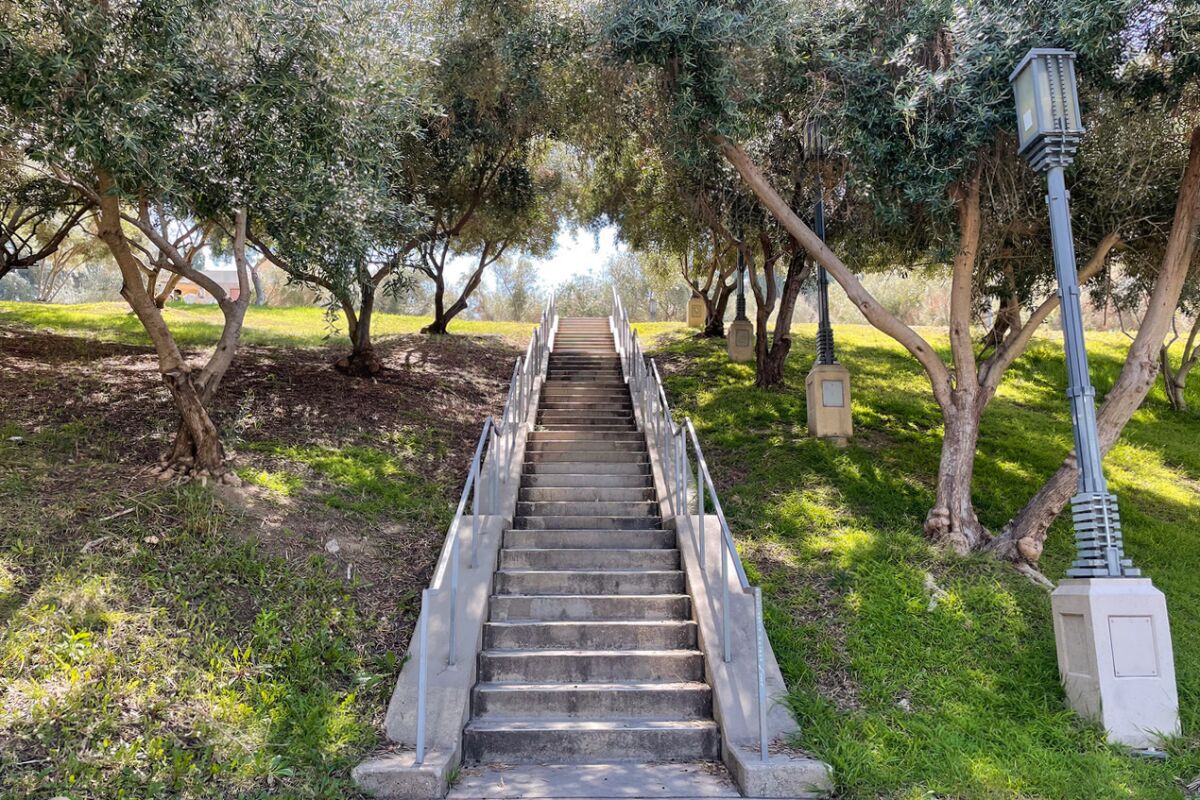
437, 389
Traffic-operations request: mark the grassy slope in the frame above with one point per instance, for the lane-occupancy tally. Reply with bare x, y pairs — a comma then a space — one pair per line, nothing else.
834, 536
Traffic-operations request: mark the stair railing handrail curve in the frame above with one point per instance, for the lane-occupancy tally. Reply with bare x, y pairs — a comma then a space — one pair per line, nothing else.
491, 466
672, 441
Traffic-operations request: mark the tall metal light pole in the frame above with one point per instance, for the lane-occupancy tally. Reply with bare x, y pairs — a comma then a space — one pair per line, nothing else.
740, 343
814, 148
741, 275
828, 384
1114, 646
1050, 149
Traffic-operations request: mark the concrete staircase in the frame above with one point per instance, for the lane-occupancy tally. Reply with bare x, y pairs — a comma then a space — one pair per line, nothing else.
590, 653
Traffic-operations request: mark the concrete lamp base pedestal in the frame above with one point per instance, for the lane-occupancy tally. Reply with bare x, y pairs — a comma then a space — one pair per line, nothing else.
740, 342
1115, 658
828, 390
696, 312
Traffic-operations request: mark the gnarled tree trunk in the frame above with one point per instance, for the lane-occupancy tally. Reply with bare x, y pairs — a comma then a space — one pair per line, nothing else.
1175, 380
197, 448
714, 310
362, 361
952, 522
771, 350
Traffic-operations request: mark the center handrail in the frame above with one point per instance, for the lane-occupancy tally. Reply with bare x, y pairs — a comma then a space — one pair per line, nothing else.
671, 442
491, 466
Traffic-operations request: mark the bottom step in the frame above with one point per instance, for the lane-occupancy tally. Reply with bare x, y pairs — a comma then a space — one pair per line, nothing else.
549, 741
594, 781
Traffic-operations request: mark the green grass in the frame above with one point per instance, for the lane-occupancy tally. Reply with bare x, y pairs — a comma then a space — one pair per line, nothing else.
150, 649
834, 537
198, 325
364, 480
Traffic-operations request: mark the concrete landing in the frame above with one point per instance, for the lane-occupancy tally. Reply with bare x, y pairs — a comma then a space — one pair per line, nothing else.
618, 781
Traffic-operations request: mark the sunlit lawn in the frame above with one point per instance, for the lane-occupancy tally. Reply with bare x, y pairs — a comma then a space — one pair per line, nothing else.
201, 324
960, 700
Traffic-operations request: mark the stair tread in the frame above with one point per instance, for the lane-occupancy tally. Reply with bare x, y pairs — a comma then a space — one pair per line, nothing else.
598, 686
622, 571
566, 623
575, 723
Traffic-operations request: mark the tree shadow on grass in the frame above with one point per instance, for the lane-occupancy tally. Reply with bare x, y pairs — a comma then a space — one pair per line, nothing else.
957, 698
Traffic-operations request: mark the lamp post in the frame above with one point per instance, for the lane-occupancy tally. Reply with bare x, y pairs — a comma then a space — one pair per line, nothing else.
741, 295
828, 383
814, 148
740, 343
1111, 627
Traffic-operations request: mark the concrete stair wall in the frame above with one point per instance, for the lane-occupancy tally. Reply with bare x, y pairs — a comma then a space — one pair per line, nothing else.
590, 649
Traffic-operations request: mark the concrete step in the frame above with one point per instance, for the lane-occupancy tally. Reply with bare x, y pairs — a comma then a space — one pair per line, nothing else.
573, 402
587, 523
578, 394
694, 780
683, 700
584, 508
591, 417
603, 635
610, 377
586, 456
586, 468
604, 381
587, 481
628, 425
584, 442
584, 494
584, 407
628, 437
567, 741
573, 665
580, 391
582, 606
579, 540
589, 558
529, 581
576, 389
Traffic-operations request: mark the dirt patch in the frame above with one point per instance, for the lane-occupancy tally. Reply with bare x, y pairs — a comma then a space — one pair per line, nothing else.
424, 412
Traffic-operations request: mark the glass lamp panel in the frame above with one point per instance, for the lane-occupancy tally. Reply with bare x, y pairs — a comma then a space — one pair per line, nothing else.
1027, 117
1043, 95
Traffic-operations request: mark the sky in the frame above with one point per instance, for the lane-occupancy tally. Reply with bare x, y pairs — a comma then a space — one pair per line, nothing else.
578, 251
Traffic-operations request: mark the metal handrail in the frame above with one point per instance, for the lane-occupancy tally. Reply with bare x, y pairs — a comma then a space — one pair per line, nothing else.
672, 443
491, 465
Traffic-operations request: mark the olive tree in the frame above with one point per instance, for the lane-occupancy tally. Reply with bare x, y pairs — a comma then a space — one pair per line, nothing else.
920, 109
169, 118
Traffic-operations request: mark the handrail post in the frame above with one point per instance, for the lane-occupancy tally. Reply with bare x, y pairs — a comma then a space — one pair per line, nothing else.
681, 471
494, 483
699, 503
475, 480
453, 650
759, 647
727, 653
422, 673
